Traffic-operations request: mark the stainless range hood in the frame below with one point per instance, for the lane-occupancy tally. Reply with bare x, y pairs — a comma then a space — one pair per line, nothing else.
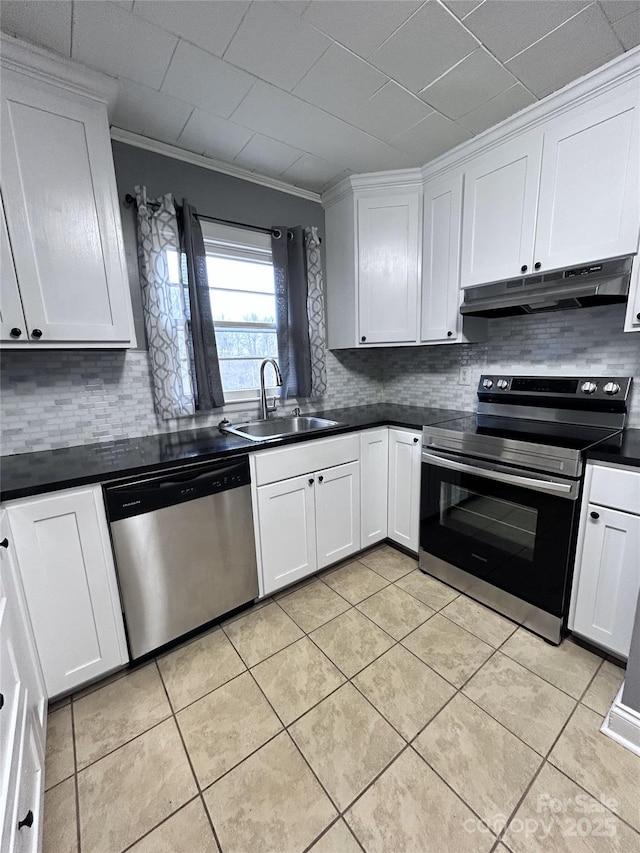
603, 283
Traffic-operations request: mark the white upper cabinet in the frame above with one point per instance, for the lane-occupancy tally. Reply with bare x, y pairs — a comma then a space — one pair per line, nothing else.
441, 321
12, 325
499, 211
589, 203
60, 202
388, 231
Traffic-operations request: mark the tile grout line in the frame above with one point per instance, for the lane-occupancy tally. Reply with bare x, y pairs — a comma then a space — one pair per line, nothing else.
75, 777
186, 752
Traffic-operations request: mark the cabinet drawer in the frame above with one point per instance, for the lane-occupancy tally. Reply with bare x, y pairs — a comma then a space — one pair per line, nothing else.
616, 488
305, 458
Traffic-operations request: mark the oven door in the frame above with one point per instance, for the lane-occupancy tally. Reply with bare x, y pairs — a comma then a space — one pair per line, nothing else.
509, 527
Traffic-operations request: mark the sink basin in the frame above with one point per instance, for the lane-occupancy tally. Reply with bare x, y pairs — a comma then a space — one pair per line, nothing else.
279, 427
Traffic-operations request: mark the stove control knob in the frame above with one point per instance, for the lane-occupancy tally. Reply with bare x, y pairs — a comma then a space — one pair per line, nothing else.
503, 384
487, 383
588, 387
611, 388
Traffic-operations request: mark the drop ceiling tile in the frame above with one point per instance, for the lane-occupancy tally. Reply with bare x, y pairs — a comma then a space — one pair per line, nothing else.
210, 26
471, 83
273, 113
267, 156
616, 9
143, 110
121, 44
497, 109
213, 136
361, 25
578, 46
339, 82
336, 141
295, 6
431, 137
205, 81
424, 48
628, 30
42, 22
275, 45
460, 8
506, 27
389, 112
313, 173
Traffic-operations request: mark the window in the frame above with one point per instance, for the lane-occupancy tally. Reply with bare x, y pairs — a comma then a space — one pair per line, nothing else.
241, 283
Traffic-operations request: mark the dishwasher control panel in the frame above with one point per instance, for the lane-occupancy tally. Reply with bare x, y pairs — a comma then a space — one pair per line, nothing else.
175, 487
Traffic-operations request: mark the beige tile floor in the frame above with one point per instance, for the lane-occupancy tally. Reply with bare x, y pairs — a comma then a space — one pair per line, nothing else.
371, 708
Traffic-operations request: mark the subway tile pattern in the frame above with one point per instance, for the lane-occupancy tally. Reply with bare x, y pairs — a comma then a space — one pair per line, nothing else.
59, 399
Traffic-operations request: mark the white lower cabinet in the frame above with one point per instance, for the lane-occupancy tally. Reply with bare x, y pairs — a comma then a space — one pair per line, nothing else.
405, 448
287, 526
374, 480
22, 712
607, 573
337, 513
68, 576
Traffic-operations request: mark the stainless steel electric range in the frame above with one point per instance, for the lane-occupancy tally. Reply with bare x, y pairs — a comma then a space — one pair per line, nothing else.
499, 495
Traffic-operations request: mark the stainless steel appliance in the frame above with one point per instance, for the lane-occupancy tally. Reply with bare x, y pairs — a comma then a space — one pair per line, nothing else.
499, 494
601, 283
185, 549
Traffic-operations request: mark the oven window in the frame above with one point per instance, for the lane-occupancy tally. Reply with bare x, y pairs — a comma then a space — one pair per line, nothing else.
503, 524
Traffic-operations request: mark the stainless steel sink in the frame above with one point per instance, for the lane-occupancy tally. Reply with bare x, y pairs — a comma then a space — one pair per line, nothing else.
279, 427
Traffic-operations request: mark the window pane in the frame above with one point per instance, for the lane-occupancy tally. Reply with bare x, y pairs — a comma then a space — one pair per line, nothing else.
244, 375
239, 275
239, 307
246, 342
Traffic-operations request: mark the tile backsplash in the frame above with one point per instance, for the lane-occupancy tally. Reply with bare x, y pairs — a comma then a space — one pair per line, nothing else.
61, 398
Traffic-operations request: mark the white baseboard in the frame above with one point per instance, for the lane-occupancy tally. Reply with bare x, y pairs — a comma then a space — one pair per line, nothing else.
622, 724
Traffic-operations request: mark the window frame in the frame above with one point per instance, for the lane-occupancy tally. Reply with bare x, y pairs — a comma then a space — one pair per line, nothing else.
232, 242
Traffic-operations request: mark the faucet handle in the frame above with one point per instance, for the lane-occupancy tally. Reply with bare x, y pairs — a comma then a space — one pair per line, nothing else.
274, 405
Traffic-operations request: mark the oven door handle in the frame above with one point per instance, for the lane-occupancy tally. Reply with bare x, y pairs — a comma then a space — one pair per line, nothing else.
552, 487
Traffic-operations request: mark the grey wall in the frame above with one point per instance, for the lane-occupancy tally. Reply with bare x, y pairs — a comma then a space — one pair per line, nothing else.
211, 193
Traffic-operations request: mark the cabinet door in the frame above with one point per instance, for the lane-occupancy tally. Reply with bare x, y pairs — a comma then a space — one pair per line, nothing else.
17, 634
608, 578
404, 487
589, 204
337, 513
68, 576
61, 208
28, 810
11, 316
632, 319
286, 520
499, 211
441, 259
388, 266
374, 483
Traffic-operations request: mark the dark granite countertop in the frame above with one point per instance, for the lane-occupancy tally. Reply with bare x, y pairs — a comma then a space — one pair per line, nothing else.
628, 453
28, 474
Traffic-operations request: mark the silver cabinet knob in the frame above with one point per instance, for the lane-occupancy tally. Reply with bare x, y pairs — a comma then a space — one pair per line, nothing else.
611, 388
588, 387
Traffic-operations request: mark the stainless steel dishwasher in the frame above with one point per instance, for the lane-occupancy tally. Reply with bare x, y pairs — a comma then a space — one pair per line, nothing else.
185, 549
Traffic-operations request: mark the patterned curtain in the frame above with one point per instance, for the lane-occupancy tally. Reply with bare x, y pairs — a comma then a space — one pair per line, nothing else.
315, 313
164, 306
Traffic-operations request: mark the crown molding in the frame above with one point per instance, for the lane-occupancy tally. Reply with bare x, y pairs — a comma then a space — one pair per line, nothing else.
138, 141
396, 178
40, 64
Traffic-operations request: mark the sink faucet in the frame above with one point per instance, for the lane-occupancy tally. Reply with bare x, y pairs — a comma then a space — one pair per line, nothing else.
265, 408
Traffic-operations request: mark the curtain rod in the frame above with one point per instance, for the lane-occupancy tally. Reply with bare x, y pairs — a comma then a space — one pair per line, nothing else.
129, 199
